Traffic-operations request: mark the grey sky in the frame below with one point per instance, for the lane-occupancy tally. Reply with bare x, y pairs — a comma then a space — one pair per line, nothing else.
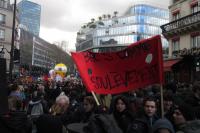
61, 19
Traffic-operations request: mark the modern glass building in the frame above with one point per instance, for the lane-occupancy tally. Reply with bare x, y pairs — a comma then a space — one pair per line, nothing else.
29, 16
140, 21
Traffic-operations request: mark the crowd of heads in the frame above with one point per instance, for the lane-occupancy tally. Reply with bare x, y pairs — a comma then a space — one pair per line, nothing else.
138, 109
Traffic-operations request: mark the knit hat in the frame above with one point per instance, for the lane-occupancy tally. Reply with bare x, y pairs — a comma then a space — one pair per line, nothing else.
163, 124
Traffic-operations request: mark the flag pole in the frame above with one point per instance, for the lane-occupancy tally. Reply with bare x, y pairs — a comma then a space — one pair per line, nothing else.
161, 99
95, 97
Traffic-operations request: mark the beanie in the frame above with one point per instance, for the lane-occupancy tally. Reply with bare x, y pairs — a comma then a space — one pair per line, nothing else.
163, 124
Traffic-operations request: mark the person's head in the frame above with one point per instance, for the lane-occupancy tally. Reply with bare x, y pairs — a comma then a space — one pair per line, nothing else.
14, 87
150, 107
56, 109
168, 102
63, 101
120, 103
14, 103
182, 113
178, 117
162, 126
89, 103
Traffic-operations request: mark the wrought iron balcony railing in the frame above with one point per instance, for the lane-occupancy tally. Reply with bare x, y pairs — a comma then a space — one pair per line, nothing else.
181, 23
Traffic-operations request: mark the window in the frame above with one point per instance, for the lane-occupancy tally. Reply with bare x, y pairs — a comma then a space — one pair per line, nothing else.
2, 18
195, 41
4, 3
194, 8
2, 34
176, 15
175, 45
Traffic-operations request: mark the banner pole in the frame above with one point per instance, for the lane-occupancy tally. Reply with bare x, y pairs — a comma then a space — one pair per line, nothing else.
161, 98
93, 94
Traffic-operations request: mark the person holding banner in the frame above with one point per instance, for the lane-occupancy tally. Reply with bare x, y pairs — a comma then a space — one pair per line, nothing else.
89, 106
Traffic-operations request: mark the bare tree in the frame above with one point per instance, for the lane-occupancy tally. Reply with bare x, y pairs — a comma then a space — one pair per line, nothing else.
109, 16
104, 16
100, 18
83, 27
115, 13
92, 20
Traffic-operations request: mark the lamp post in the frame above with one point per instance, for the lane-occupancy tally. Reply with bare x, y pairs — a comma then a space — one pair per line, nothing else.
12, 43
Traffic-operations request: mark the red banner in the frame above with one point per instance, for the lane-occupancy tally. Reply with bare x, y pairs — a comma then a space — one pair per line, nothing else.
137, 66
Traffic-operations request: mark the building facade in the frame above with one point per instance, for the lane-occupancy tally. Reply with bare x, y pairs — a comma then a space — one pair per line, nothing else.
183, 34
38, 56
29, 16
6, 23
140, 21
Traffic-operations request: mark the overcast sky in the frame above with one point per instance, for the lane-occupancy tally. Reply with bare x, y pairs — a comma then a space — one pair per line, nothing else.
61, 19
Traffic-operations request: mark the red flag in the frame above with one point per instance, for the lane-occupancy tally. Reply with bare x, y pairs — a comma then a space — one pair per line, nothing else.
139, 65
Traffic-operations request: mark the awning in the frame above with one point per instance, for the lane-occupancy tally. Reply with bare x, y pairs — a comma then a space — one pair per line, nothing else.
169, 63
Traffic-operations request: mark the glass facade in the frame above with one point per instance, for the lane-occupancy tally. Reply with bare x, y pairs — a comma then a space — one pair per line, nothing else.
140, 22
29, 16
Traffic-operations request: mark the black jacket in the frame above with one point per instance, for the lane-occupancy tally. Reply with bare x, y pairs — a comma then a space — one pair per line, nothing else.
15, 122
49, 124
123, 119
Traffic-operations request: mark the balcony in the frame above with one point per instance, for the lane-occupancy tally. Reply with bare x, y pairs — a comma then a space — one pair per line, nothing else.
182, 25
185, 51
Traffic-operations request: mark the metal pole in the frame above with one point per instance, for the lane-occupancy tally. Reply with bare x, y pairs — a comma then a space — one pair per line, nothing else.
12, 43
161, 98
95, 98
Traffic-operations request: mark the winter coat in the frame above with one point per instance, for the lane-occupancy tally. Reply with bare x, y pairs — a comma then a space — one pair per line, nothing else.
81, 116
35, 109
142, 124
49, 124
101, 123
15, 122
138, 126
189, 127
123, 119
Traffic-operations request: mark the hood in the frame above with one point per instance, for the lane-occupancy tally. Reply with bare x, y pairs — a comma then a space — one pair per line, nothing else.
163, 124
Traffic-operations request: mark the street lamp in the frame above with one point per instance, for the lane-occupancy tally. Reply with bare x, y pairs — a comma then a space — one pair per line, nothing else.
12, 43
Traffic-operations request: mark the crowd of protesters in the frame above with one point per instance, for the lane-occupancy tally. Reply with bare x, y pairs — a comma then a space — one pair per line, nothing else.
49, 107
